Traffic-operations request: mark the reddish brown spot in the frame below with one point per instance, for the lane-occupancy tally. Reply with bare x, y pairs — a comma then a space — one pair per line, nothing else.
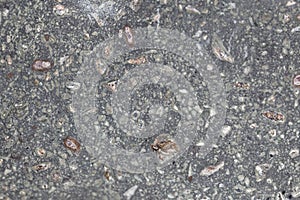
279, 117
47, 37
242, 85
40, 151
72, 144
211, 167
190, 178
41, 167
137, 61
41, 65
273, 116
9, 75
34, 127
36, 82
107, 176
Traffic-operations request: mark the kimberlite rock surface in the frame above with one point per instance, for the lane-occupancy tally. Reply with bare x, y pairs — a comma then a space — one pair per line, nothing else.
140, 99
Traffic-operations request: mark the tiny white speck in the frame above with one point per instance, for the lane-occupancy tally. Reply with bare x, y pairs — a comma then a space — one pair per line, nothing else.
209, 67
226, 130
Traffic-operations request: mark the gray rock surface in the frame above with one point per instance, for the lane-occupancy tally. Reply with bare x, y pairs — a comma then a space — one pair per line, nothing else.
231, 113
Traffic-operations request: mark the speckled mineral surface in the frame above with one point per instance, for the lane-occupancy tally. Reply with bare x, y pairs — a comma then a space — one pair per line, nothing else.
87, 87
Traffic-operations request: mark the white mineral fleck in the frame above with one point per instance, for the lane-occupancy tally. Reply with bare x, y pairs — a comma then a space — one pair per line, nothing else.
226, 130
190, 171
184, 91
296, 192
290, 3
296, 29
219, 50
130, 192
73, 85
191, 9
200, 144
198, 34
294, 153
261, 171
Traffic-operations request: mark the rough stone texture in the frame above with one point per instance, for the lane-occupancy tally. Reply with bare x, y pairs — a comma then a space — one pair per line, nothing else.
259, 156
